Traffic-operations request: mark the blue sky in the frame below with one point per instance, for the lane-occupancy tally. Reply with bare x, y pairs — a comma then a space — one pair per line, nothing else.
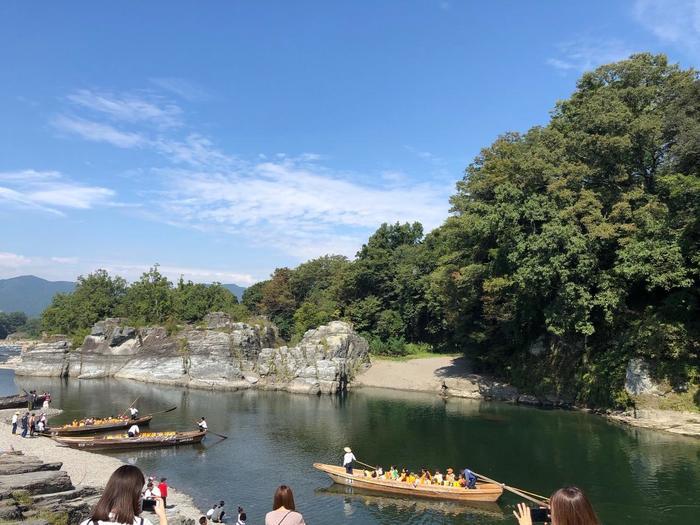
224, 139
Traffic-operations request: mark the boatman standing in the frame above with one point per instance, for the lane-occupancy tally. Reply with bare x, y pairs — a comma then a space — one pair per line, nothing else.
134, 412
202, 425
134, 431
348, 458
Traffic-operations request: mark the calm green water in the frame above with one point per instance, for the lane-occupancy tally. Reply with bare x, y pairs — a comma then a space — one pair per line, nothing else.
633, 476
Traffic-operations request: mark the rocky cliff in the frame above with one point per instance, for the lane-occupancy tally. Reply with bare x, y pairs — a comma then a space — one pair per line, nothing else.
220, 354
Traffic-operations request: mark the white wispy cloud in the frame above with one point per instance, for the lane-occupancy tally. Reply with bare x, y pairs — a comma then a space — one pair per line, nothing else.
13, 261
289, 202
584, 54
306, 210
181, 87
68, 268
98, 131
49, 191
673, 21
141, 108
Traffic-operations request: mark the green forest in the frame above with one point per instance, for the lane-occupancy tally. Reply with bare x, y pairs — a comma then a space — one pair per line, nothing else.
569, 249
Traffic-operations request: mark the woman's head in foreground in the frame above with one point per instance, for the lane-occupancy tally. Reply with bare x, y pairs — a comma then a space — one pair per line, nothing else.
283, 498
122, 496
570, 506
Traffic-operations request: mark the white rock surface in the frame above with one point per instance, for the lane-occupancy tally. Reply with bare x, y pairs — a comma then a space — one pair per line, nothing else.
225, 355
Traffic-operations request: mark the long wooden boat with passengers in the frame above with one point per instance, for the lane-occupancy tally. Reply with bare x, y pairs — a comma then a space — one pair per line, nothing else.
124, 442
482, 492
106, 425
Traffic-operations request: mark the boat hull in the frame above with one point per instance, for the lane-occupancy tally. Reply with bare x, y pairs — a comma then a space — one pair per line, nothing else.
20, 401
96, 429
489, 492
126, 443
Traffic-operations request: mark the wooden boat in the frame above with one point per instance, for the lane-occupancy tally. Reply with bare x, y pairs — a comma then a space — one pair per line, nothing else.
69, 430
482, 492
124, 442
20, 401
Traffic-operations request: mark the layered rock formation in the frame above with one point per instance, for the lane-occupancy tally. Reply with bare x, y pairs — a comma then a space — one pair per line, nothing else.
40, 493
221, 354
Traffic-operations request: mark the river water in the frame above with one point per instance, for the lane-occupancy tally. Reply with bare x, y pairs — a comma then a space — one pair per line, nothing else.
633, 476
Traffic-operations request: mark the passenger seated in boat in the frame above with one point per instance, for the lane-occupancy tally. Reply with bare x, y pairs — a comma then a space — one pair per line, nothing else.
134, 431
425, 476
462, 481
404, 475
437, 478
412, 478
470, 478
450, 477
394, 473
379, 472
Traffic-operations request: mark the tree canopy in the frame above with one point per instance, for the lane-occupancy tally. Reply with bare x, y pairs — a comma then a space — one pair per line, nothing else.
569, 249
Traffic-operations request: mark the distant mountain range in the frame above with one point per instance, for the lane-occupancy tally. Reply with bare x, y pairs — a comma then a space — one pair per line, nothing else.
31, 294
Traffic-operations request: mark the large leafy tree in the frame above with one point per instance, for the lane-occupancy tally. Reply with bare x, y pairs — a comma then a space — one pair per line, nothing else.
96, 296
576, 232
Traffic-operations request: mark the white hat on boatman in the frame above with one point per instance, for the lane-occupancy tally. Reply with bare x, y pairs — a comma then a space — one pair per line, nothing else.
347, 449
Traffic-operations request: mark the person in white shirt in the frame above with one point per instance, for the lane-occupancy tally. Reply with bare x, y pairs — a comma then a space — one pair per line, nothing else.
202, 425
211, 511
134, 412
115, 509
133, 431
348, 458
15, 418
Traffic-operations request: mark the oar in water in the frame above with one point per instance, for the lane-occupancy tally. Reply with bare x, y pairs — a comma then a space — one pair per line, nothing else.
530, 496
212, 432
163, 411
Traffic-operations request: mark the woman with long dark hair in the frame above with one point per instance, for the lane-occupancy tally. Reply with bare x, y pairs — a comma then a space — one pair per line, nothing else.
120, 503
283, 509
567, 506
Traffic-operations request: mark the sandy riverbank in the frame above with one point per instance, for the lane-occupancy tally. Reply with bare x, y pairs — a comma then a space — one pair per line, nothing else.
429, 374
89, 469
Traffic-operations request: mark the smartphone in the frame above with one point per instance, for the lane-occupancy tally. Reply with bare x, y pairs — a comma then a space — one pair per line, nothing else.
539, 515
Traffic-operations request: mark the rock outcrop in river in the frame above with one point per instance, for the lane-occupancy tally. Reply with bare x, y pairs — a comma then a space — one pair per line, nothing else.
220, 354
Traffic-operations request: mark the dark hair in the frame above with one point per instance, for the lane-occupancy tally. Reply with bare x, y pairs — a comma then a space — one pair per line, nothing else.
202, 520
283, 498
221, 503
122, 496
242, 517
570, 506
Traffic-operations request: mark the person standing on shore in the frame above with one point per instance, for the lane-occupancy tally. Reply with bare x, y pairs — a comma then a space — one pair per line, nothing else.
25, 424
120, 503
32, 425
15, 419
163, 487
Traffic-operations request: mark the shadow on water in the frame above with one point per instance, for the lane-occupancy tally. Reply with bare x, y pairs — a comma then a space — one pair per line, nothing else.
632, 475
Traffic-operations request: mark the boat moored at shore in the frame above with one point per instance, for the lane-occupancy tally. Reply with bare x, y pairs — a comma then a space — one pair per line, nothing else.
123, 442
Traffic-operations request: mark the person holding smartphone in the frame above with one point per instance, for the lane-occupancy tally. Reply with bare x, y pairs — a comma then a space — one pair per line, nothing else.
567, 506
120, 503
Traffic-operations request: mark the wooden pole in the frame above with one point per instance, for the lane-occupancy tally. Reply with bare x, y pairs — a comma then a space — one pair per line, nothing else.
539, 500
365, 464
212, 432
132, 404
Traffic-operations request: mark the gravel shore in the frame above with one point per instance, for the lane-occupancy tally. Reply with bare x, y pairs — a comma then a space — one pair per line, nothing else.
87, 468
